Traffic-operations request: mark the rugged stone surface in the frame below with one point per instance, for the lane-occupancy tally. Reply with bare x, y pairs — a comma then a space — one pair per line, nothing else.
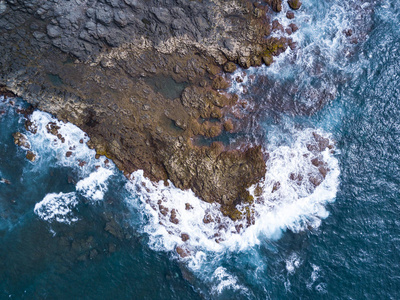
21, 140
294, 4
140, 77
30, 156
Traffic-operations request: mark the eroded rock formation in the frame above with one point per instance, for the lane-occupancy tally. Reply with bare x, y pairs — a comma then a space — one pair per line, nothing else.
143, 79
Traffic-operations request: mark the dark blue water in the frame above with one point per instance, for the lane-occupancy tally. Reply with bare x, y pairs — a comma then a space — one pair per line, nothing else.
100, 247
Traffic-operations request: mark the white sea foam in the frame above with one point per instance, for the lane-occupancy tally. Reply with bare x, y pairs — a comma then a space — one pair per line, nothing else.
57, 207
69, 149
73, 141
223, 281
157, 200
315, 274
94, 186
292, 263
296, 205
323, 53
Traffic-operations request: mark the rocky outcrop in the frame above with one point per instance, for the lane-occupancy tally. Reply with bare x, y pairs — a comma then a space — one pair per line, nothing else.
294, 4
21, 140
143, 79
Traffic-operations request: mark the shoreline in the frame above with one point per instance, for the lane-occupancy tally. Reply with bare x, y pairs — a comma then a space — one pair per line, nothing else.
98, 68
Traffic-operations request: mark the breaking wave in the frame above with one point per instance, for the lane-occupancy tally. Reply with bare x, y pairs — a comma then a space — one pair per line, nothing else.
302, 80
57, 207
64, 144
301, 178
94, 186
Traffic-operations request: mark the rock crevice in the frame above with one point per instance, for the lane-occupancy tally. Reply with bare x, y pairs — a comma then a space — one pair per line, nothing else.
115, 68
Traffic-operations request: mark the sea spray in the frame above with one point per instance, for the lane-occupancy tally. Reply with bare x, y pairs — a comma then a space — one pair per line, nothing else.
57, 207
64, 144
326, 56
94, 186
179, 220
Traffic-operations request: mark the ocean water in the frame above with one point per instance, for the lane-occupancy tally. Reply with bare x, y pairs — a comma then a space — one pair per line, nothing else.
73, 227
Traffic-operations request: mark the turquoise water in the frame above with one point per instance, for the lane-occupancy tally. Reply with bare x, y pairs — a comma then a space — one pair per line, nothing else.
106, 244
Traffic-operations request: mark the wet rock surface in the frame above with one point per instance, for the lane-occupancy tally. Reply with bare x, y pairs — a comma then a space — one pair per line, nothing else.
109, 67
21, 140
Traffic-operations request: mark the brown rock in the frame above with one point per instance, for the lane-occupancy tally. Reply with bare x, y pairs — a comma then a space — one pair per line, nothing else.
230, 67
323, 143
256, 61
52, 128
68, 154
244, 62
268, 60
294, 4
173, 217
315, 180
182, 252
30, 126
317, 162
228, 125
298, 178
290, 15
238, 79
220, 83
6, 93
184, 237
115, 89
292, 45
323, 170
207, 219
31, 156
293, 27
258, 191
163, 210
277, 26
21, 140
276, 5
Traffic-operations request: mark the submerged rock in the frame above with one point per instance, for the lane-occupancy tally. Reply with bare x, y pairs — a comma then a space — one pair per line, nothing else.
114, 229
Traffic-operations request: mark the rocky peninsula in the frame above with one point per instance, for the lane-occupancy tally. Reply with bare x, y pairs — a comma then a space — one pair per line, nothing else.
145, 80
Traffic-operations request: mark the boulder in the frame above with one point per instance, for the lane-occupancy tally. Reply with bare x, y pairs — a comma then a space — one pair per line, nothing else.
294, 4
31, 156
230, 67
21, 140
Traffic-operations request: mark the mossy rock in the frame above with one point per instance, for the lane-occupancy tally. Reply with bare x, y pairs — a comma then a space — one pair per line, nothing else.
232, 212
294, 4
